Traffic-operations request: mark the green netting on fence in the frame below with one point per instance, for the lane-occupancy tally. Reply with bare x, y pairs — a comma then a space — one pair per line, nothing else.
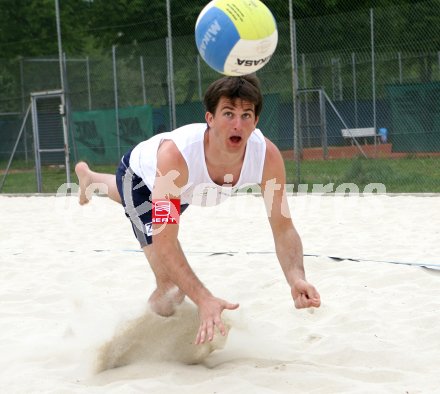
96, 138
415, 112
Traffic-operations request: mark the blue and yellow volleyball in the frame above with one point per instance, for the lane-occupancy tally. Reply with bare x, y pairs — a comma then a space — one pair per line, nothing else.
236, 37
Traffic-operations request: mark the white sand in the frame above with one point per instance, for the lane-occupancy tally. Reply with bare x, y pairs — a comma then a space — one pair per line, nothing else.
73, 293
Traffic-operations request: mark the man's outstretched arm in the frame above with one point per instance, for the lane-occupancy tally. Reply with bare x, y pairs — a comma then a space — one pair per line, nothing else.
288, 243
168, 253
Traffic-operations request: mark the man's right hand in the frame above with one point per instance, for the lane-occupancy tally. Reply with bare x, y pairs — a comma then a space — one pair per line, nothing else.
210, 311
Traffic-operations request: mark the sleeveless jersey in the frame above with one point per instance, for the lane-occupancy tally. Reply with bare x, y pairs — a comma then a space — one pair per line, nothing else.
200, 189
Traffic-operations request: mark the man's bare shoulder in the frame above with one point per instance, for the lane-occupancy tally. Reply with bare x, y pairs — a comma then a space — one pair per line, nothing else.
273, 162
169, 158
168, 150
271, 149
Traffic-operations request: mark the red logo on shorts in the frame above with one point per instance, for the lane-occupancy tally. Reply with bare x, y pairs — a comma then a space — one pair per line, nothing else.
166, 211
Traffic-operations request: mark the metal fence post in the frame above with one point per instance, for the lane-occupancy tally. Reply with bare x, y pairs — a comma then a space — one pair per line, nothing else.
144, 96
171, 68
306, 99
293, 54
323, 124
399, 57
36, 146
63, 95
438, 56
23, 106
373, 74
169, 84
66, 115
353, 61
88, 83
115, 85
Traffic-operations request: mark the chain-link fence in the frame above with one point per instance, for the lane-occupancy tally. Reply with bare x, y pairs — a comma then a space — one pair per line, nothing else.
366, 88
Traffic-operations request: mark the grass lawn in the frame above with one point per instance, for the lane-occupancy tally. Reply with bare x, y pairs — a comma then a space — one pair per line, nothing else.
408, 175
23, 180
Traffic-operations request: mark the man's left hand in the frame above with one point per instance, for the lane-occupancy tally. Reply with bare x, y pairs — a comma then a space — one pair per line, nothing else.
305, 295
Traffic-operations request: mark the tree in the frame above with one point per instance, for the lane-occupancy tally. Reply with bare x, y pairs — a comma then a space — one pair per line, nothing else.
28, 28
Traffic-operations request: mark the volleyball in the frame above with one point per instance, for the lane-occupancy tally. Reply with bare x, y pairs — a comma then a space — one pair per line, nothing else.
236, 37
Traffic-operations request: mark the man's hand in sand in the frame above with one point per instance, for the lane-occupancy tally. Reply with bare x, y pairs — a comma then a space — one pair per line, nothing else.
305, 295
210, 311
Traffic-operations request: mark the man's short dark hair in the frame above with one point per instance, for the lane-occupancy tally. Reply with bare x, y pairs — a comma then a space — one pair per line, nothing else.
246, 87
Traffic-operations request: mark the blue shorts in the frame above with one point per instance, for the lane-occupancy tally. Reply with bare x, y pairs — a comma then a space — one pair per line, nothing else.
136, 199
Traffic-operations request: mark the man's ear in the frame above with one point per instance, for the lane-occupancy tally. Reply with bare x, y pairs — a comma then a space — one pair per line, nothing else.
257, 118
209, 117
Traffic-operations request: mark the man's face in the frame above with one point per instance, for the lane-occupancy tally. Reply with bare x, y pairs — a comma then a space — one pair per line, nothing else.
233, 122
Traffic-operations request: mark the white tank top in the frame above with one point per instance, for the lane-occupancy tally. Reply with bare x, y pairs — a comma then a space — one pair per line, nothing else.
200, 189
